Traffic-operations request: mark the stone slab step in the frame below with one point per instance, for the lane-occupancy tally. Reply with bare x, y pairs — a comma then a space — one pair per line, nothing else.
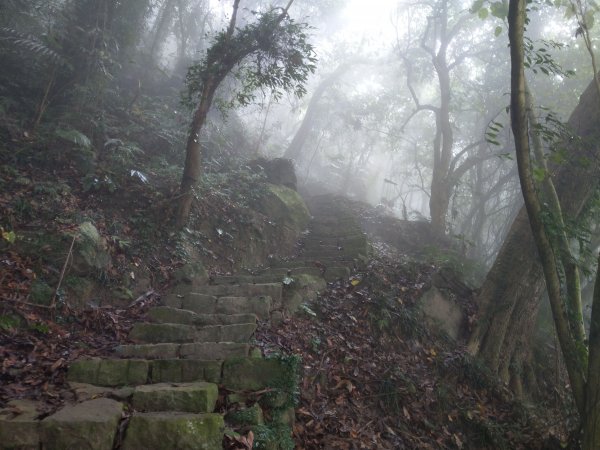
132, 372
303, 262
171, 430
320, 254
331, 272
280, 273
154, 333
166, 314
185, 370
272, 290
199, 397
358, 239
347, 249
20, 431
109, 372
88, 425
212, 304
201, 351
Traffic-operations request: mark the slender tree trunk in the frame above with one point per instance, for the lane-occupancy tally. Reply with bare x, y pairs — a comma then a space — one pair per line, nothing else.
193, 151
548, 258
439, 203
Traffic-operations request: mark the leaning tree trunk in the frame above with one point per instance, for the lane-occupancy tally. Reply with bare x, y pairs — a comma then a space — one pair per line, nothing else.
509, 298
294, 151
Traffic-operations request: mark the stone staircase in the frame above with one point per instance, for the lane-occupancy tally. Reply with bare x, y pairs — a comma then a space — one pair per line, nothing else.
198, 340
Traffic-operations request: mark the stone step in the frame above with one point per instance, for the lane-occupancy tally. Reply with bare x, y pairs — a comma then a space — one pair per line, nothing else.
322, 253
205, 351
154, 333
303, 262
92, 424
199, 397
333, 231
185, 370
331, 273
348, 249
166, 314
270, 274
333, 221
272, 290
358, 239
210, 304
109, 372
132, 372
247, 279
173, 430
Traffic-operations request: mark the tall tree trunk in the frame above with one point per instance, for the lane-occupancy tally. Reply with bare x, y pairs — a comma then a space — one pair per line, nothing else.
515, 282
549, 259
294, 151
193, 153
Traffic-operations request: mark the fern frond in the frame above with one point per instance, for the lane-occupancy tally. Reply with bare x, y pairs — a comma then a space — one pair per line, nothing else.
30, 44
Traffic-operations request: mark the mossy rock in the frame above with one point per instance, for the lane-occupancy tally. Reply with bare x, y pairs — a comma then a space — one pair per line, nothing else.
41, 293
303, 289
276, 436
80, 290
91, 425
243, 417
253, 374
170, 430
285, 206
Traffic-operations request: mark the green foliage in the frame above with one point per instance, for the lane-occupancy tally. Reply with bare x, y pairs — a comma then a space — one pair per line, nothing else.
8, 236
269, 53
273, 436
8, 323
75, 137
240, 188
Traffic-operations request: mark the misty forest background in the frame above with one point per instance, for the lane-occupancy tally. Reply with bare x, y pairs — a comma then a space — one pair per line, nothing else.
160, 108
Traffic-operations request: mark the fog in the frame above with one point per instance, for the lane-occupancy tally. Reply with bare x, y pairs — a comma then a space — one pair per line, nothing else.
404, 106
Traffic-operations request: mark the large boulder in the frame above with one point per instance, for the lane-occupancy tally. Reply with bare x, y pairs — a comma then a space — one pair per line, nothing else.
284, 206
278, 171
441, 311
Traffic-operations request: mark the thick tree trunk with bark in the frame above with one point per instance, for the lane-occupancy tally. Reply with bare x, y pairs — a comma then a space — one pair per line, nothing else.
510, 296
193, 153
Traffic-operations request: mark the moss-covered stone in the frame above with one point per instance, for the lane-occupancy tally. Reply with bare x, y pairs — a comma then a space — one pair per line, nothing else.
192, 273
304, 288
197, 397
41, 293
275, 436
109, 372
253, 374
154, 333
185, 370
19, 431
168, 431
285, 206
91, 425
246, 416
149, 351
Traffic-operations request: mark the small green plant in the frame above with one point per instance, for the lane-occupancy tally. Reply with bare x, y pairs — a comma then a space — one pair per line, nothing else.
40, 327
8, 236
315, 344
275, 435
8, 323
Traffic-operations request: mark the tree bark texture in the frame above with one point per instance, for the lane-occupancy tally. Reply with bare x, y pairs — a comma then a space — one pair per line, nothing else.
510, 295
